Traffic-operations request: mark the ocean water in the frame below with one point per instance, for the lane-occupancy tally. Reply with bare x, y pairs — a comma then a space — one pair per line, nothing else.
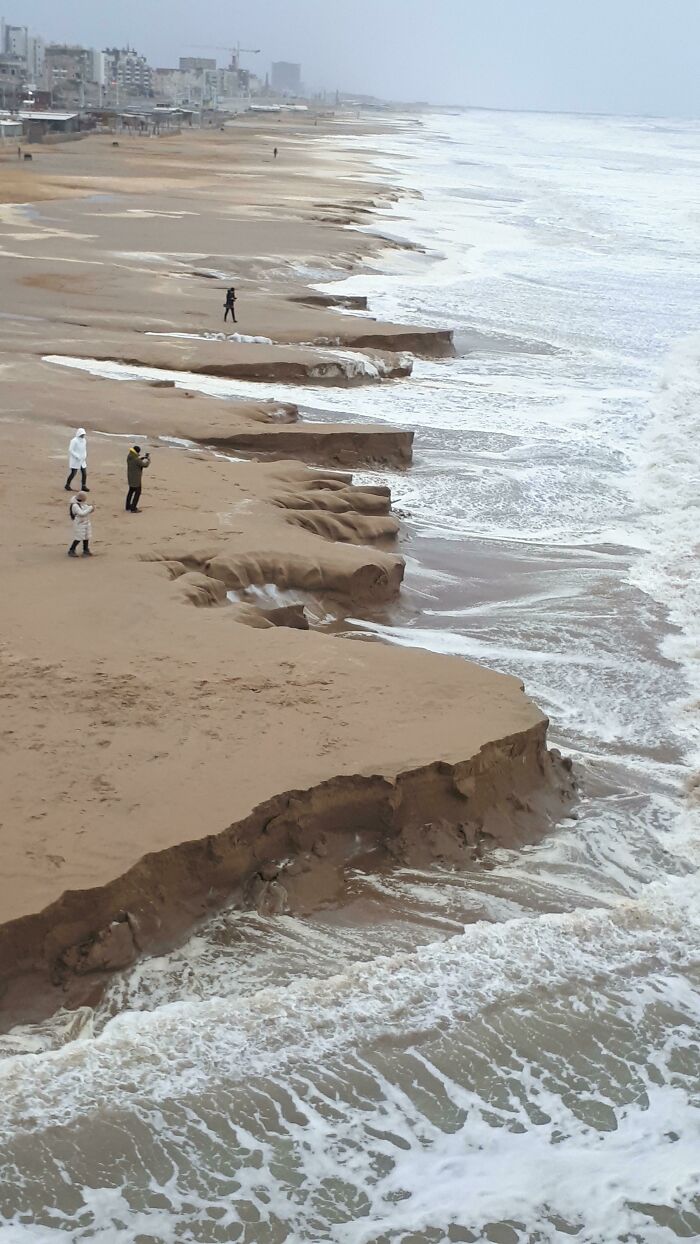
511, 1055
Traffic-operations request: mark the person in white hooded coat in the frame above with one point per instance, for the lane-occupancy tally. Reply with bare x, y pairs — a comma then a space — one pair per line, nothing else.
81, 527
77, 460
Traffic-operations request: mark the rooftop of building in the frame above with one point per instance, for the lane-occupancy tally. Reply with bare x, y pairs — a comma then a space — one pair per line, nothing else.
32, 114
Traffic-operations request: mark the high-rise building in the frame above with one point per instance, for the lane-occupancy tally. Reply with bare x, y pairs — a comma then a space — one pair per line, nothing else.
74, 75
197, 62
286, 78
128, 71
36, 60
202, 84
13, 77
25, 50
16, 39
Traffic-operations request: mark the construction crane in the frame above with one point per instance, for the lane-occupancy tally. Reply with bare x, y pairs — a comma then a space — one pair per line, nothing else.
234, 52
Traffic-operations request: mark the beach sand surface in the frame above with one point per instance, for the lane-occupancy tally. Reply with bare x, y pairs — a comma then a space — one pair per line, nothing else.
158, 759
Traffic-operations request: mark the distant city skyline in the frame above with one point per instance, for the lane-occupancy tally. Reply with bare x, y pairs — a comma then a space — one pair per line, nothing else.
624, 56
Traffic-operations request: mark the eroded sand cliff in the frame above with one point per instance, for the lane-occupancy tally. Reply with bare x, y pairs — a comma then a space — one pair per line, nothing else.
160, 760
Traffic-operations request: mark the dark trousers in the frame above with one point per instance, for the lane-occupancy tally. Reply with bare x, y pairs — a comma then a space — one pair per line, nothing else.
132, 498
86, 546
233, 314
72, 474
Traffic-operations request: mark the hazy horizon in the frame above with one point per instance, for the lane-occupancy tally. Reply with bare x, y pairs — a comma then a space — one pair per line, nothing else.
632, 57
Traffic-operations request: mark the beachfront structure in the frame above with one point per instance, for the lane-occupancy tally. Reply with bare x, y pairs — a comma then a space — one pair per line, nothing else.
11, 130
12, 81
201, 87
127, 72
37, 125
75, 74
286, 77
22, 64
29, 49
188, 63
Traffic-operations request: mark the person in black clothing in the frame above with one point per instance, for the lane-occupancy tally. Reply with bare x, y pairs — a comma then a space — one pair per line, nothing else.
230, 305
136, 462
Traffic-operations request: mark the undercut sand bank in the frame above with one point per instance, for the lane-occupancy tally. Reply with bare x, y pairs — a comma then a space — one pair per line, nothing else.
159, 760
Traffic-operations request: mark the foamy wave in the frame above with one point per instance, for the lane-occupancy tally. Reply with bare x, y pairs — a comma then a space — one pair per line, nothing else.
420, 1090
407, 993
667, 487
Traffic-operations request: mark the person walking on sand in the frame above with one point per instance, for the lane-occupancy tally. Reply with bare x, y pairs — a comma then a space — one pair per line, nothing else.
274, 153
77, 460
81, 528
230, 305
136, 462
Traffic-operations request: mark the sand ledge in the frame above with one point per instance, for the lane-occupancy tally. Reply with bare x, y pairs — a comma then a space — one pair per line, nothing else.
291, 854
158, 761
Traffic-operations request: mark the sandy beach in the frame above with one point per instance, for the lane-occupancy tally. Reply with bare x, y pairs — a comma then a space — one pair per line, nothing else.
305, 932
160, 760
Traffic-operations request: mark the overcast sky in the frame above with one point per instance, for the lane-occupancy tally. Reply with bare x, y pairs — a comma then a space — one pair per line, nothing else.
638, 56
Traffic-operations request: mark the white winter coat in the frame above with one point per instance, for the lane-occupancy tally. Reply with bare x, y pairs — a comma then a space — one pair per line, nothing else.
80, 527
77, 451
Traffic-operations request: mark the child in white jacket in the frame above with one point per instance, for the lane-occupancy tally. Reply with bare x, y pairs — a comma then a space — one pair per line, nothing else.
81, 527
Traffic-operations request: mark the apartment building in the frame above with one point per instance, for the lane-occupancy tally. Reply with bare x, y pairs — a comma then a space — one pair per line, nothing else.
128, 72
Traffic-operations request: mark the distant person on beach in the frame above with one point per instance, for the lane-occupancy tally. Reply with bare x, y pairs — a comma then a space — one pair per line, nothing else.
77, 460
230, 305
136, 462
81, 528
274, 153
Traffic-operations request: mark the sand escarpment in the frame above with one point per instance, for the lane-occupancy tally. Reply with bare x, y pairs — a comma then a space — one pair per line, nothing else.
263, 428
232, 753
291, 854
280, 364
423, 342
326, 444
309, 532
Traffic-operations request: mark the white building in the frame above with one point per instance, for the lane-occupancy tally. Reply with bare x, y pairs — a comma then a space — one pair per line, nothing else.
16, 40
99, 67
11, 130
36, 61
128, 72
199, 87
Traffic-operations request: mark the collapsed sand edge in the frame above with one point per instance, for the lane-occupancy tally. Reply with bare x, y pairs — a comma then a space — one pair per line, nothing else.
292, 854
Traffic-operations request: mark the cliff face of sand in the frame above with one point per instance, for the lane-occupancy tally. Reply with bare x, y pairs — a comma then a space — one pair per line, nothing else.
159, 760
300, 365
289, 855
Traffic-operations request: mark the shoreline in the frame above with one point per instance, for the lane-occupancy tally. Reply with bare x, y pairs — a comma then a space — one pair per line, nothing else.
381, 738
